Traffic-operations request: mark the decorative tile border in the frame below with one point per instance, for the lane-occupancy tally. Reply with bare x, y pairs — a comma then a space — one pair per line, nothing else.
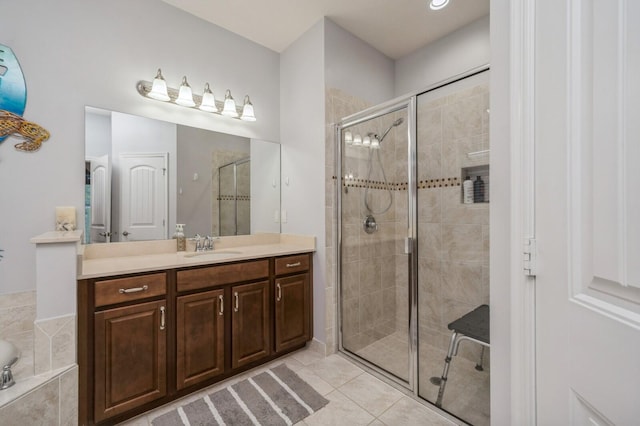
234, 198
403, 186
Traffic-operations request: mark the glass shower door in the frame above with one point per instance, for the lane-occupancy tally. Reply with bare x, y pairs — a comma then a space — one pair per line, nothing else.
373, 225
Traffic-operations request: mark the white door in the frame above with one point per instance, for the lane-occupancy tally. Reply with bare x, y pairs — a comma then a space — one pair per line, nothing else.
143, 196
100, 216
587, 172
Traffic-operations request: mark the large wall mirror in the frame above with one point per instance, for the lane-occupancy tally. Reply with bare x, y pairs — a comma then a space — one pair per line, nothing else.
142, 176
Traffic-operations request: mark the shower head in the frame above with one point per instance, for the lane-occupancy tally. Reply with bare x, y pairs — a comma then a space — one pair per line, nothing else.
396, 123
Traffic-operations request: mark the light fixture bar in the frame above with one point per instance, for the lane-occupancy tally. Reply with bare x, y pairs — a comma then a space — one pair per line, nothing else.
144, 88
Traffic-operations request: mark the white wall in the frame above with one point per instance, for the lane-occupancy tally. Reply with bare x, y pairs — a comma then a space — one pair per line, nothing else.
265, 186
303, 153
355, 67
75, 53
467, 48
97, 134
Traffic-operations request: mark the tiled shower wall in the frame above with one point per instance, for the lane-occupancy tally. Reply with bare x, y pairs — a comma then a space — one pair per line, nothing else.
453, 240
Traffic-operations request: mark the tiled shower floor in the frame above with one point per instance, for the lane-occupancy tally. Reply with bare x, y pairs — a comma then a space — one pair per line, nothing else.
467, 393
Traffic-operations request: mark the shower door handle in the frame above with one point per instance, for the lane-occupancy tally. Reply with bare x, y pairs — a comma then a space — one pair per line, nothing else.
408, 243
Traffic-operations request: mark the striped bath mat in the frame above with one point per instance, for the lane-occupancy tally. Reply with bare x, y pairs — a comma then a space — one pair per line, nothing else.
275, 397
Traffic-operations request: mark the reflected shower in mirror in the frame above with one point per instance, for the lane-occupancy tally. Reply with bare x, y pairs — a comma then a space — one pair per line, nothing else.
142, 176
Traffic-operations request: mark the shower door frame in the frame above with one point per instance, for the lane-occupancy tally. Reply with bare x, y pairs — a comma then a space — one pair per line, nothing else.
411, 239
409, 101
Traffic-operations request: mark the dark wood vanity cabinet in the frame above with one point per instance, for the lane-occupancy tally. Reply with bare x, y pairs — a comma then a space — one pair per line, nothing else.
293, 316
199, 337
147, 339
129, 353
250, 338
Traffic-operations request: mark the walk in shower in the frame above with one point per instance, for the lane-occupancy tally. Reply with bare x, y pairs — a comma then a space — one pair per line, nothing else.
413, 251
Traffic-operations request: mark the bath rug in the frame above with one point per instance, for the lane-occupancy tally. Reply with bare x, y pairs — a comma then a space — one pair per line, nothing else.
275, 397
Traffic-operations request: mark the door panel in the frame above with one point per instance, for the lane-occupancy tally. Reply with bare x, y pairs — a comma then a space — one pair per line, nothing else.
144, 197
292, 318
100, 199
587, 299
376, 232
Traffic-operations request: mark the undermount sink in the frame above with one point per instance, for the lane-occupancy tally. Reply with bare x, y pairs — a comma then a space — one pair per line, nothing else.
215, 254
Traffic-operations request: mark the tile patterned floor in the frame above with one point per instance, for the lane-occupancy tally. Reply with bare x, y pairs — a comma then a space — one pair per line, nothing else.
356, 397
467, 391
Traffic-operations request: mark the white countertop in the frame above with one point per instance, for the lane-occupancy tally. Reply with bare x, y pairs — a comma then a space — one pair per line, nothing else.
102, 260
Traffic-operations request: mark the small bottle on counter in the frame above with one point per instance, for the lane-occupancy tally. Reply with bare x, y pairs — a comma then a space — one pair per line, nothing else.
181, 241
467, 191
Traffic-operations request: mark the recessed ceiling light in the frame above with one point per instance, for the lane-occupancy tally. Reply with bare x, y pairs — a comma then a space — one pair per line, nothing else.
438, 4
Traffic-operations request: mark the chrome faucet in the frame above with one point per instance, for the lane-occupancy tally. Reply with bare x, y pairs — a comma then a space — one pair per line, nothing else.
208, 243
199, 242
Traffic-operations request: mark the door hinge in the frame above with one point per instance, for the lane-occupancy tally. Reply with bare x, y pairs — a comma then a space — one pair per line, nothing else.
530, 252
164, 171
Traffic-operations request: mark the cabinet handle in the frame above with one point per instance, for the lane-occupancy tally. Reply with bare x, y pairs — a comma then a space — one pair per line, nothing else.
221, 301
162, 317
235, 295
133, 290
293, 265
279, 292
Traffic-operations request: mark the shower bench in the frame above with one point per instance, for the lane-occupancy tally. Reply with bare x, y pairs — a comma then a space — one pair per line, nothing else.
473, 326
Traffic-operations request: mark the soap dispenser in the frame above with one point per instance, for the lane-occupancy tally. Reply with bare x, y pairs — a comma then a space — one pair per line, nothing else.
181, 241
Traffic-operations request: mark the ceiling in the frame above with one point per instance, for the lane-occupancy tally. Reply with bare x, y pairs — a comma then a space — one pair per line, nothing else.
394, 27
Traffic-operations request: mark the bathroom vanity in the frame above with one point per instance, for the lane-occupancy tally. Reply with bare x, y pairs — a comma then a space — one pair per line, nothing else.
158, 325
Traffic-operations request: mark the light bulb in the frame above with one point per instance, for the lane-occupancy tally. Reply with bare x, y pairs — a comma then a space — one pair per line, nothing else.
229, 105
185, 95
159, 88
375, 143
357, 140
348, 137
247, 110
438, 4
366, 141
208, 100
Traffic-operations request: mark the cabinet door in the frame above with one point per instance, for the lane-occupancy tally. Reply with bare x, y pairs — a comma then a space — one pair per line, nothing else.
199, 337
250, 323
130, 357
292, 311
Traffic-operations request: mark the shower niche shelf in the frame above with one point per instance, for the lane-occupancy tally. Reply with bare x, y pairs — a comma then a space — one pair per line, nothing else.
481, 188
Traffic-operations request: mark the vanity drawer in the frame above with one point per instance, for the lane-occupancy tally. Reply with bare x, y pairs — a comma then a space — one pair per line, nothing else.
120, 290
291, 264
192, 279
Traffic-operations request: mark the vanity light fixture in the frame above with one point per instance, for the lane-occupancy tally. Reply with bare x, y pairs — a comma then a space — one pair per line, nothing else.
185, 97
230, 107
247, 110
159, 88
438, 4
208, 100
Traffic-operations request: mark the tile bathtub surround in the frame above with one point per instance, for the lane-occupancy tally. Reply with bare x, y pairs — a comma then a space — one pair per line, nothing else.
55, 343
54, 402
17, 314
